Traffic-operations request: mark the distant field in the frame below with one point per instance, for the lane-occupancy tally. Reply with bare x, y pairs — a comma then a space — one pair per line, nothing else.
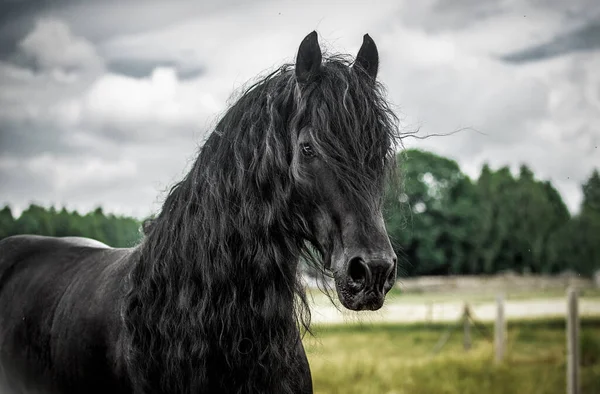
398, 359
486, 296
445, 307
483, 296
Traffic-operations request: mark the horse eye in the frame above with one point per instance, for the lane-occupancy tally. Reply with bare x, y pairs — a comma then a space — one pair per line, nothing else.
307, 150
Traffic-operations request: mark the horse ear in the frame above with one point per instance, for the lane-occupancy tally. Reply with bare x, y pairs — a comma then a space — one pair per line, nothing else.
308, 61
368, 57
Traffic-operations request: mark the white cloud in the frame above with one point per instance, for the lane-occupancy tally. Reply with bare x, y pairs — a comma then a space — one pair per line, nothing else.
52, 46
145, 109
74, 173
70, 181
235, 44
54, 67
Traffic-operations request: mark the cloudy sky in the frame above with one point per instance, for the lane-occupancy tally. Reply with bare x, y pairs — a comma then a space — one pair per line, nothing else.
105, 102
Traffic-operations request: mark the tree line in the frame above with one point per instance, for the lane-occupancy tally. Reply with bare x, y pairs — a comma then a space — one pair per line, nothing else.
447, 223
440, 221
116, 231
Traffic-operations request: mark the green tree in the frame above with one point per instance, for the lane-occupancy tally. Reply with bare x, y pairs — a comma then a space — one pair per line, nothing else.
537, 215
113, 230
7, 222
591, 195
34, 220
517, 217
576, 245
427, 220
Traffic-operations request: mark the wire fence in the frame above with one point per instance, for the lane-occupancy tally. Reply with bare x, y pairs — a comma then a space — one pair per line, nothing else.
468, 321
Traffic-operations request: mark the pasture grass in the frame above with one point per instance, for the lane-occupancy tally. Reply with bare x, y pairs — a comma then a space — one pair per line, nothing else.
398, 359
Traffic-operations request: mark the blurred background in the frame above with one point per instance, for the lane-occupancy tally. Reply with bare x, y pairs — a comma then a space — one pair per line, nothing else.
103, 105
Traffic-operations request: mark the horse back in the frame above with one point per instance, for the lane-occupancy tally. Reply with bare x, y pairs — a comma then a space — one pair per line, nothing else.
59, 314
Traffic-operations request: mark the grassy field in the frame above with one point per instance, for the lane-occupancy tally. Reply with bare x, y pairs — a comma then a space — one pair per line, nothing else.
386, 358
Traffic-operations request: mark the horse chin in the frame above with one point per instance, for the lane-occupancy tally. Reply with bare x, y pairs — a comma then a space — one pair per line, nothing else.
357, 300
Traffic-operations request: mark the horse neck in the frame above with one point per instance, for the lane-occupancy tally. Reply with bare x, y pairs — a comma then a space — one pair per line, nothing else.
239, 271
228, 300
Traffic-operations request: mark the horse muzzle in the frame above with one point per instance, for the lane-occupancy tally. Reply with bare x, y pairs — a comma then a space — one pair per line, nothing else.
366, 281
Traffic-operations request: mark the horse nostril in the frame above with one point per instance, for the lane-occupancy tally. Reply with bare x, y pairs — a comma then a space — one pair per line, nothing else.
392, 275
383, 273
358, 271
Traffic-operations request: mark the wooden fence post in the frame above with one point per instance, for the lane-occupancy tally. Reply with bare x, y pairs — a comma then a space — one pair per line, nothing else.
572, 342
499, 329
466, 328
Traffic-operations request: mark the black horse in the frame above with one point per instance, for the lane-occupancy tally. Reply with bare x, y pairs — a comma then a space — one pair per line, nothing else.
210, 301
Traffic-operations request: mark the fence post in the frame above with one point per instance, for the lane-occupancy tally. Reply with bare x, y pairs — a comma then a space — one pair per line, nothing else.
466, 328
499, 329
572, 342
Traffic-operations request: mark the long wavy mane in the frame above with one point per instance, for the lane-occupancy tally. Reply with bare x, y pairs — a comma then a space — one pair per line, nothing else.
215, 299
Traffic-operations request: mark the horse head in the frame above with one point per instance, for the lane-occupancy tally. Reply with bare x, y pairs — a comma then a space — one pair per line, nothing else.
343, 149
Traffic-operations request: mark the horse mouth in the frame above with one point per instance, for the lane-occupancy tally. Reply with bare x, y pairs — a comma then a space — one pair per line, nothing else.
357, 299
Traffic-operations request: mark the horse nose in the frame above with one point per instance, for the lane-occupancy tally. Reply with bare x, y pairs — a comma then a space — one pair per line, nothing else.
383, 274
378, 274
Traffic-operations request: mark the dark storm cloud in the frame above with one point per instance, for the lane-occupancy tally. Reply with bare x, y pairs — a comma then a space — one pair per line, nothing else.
28, 62
586, 38
33, 137
25, 139
99, 20
18, 18
142, 68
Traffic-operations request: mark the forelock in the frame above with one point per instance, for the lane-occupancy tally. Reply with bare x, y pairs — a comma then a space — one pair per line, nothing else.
351, 123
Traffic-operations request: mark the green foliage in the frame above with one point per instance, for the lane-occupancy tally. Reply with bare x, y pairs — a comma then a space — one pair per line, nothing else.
576, 245
519, 215
116, 231
432, 215
442, 222
591, 195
